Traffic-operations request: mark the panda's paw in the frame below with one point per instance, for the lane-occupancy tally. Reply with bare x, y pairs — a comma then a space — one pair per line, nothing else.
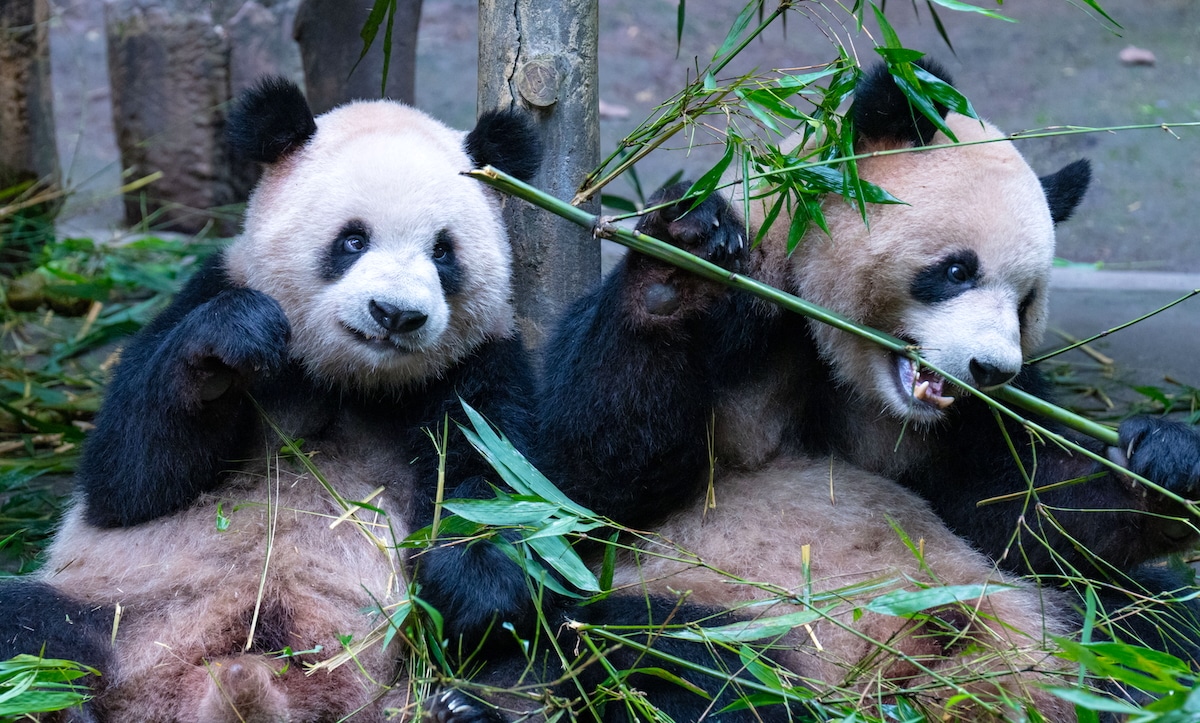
712, 230
238, 335
1163, 451
455, 706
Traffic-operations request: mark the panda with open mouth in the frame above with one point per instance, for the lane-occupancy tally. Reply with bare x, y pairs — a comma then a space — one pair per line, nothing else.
683, 380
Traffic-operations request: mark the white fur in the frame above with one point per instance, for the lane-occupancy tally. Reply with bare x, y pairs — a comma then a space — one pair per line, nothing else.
754, 537
981, 197
400, 171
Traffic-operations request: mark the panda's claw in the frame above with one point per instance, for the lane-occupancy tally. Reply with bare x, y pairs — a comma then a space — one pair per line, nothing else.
710, 229
454, 706
1163, 451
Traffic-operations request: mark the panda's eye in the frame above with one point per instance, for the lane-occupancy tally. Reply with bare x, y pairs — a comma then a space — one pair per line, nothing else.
955, 273
353, 243
443, 246
958, 274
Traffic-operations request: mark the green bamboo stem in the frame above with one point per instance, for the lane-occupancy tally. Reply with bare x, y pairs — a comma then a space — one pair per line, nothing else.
678, 257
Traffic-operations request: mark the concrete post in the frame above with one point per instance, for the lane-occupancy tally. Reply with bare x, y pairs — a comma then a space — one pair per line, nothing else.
328, 32
27, 147
541, 55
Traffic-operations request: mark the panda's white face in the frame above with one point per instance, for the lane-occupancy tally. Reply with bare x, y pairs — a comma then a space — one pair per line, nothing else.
960, 272
389, 263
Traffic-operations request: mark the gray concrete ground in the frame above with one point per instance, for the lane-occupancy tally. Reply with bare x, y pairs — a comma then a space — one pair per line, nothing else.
1057, 65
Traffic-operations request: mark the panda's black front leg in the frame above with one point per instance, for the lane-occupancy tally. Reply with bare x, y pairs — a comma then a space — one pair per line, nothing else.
629, 376
177, 410
39, 620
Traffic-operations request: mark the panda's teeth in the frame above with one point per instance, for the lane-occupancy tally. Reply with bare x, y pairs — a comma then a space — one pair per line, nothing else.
922, 392
940, 402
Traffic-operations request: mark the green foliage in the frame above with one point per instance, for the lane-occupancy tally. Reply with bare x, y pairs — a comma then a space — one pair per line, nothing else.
63, 316
29, 684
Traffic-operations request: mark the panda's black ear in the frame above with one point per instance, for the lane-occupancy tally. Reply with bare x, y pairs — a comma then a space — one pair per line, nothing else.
1065, 188
269, 121
507, 140
881, 112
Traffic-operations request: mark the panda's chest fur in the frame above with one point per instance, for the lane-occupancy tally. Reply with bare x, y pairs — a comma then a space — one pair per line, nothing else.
282, 521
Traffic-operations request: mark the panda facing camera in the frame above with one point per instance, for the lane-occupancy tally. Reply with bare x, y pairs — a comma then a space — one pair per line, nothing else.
369, 292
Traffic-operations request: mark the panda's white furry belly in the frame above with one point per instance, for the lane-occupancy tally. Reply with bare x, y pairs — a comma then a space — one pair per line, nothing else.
258, 566
843, 515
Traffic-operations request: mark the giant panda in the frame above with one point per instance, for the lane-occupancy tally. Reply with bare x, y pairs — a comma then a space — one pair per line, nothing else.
658, 378
369, 293
673, 405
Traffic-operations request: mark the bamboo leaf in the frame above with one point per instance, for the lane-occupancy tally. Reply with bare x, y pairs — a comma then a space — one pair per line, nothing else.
1096, 6
680, 12
708, 183
563, 558
941, 29
739, 26
968, 8
905, 603
618, 203
1094, 701
752, 661
747, 631
512, 465
668, 676
502, 511
944, 93
379, 11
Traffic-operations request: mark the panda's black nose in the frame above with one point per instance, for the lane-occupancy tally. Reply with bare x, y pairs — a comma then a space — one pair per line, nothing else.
989, 375
395, 319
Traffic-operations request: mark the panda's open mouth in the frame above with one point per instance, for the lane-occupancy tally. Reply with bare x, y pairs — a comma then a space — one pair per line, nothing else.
923, 385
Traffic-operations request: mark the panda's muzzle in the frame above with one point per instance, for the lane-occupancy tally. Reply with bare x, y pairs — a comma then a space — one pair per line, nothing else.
395, 320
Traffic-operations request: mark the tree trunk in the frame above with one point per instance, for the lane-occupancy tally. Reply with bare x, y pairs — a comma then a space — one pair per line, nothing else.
328, 32
27, 145
541, 55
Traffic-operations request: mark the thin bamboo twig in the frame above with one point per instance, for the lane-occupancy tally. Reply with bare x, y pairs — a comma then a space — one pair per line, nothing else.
1106, 332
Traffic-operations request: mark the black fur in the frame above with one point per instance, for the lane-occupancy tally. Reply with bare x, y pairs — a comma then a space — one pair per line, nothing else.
881, 111
507, 140
270, 121
1065, 188
176, 411
351, 242
41, 621
629, 396
541, 664
619, 410
445, 259
943, 280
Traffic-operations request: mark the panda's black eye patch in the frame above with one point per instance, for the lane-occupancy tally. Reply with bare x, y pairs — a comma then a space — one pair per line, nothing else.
1023, 308
450, 272
946, 278
351, 241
